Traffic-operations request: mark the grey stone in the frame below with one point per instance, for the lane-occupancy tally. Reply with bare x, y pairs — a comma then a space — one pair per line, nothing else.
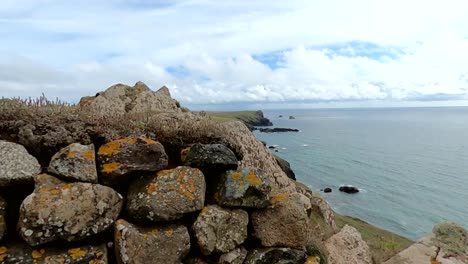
215, 157
220, 230
276, 256
243, 188
146, 245
236, 256
16, 164
347, 246
75, 162
121, 158
285, 223
168, 195
58, 210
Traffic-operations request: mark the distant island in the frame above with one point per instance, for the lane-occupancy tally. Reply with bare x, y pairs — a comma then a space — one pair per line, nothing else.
250, 118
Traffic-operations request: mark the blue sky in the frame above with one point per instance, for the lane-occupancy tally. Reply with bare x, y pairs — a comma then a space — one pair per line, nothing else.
237, 54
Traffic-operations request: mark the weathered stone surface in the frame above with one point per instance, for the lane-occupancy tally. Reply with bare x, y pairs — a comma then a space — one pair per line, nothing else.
24, 254
3, 227
236, 256
16, 164
321, 207
75, 162
210, 156
167, 196
70, 211
255, 155
347, 246
120, 99
121, 158
276, 256
285, 223
159, 244
220, 230
246, 188
286, 167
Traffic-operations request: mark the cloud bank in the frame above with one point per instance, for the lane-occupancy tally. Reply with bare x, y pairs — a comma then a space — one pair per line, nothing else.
243, 51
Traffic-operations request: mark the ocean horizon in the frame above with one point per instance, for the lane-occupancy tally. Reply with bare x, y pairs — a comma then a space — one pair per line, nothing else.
410, 163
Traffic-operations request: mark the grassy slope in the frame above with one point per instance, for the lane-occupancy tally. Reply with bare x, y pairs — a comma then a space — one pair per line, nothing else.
228, 116
383, 244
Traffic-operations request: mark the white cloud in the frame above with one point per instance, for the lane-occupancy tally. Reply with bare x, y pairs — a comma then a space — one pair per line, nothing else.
70, 49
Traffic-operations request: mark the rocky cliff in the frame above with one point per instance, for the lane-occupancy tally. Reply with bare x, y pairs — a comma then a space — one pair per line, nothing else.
107, 181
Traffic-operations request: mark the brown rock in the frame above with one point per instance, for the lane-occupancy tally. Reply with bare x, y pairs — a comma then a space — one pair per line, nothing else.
168, 195
75, 162
285, 223
16, 164
236, 256
276, 256
244, 188
24, 254
159, 244
220, 230
70, 211
121, 158
347, 246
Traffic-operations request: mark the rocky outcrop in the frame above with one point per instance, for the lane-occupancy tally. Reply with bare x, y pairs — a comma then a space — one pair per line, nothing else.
16, 164
348, 189
347, 246
168, 195
75, 162
69, 211
122, 158
146, 245
219, 230
277, 130
286, 167
120, 99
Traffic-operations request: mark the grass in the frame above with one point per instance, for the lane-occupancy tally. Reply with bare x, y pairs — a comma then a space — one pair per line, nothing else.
382, 243
246, 116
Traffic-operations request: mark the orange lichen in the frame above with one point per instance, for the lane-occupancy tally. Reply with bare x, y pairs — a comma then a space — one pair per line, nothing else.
183, 154
95, 261
169, 232
152, 188
66, 186
3, 253
312, 260
113, 147
88, 155
110, 167
76, 253
37, 253
279, 197
253, 179
149, 141
154, 232
163, 173
54, 191
43, 189
236, 176
71, 154
205, 210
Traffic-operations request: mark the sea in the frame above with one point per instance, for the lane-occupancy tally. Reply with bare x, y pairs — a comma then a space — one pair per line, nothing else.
410, 164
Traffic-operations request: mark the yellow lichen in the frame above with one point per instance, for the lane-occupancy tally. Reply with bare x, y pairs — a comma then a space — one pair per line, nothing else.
88, 155
312, 260
183, 154
110, 167
95, 261
76, 253
54, 191
236, 176
279, 197
71, 154
66, 186
205, 210
113, 147
169, 232
3, 253
37, 253
154, 232
150, 141
152, 188
253, 179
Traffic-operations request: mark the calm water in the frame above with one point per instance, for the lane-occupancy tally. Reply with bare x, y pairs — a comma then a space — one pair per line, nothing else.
411, 163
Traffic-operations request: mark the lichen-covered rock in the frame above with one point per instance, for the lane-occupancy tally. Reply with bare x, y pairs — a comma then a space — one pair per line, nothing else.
285, 223
452, 238
213, 157
121, 158
24, 254
220, 230
3, 227
276, 256
16, 164
75, 162
120, 99
236, 256
312, 260
159, 244
243, 188
168, 195
70, 211
347, 246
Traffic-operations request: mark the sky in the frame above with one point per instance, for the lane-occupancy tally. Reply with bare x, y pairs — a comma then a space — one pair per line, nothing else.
237, 54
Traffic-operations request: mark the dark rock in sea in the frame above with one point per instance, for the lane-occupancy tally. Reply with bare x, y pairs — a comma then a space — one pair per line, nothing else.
280, 116
349, 189
327, 190
286, 167
276, 150
292, 117
278, 129
271, 147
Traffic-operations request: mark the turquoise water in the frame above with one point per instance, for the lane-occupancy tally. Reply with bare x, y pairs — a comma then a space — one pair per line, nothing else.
411, 164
